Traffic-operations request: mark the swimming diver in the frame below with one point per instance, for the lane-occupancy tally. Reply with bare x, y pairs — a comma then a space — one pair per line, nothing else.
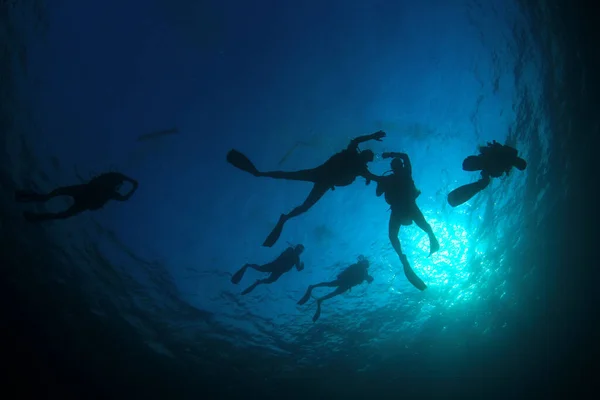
88, 196
341, 169
400, 193
352, 276
282, 264
493, 160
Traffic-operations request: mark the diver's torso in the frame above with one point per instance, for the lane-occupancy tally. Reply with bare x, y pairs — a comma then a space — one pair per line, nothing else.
498, 160
399, 190
344, 167
286, 261
353, 275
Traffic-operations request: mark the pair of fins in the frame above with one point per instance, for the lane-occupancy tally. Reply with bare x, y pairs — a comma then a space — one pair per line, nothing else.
305, 298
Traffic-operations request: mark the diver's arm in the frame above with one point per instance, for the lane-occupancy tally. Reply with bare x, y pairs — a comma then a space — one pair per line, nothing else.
365, 138
402, 156
379, 191
369, 176
406, 161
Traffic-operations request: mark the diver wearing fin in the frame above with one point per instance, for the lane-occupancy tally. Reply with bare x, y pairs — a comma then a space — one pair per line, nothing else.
88, 196
352, 276
400, 193
493, 161
285, 262
341, 169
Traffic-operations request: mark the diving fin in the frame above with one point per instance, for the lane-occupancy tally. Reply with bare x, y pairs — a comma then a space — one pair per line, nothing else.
414, 279
317, 313
305, 298
250, 288
464, 193
411, 275
242, 162
237, 277
275, 233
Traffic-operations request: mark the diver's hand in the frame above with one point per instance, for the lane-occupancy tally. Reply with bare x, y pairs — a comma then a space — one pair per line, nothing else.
378, 135
386, 154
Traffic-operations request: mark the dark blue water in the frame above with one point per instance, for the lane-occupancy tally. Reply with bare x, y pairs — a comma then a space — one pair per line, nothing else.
136, 300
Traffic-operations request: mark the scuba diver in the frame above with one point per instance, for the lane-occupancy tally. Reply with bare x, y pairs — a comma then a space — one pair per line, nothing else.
493, 161
88, 196
400, 193
282, 264
341, 169
352, 276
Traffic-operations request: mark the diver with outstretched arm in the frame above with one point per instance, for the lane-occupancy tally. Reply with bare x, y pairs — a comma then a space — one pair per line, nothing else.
352, 276
88, 196
285, 262
401, 194
493, 160
341, 169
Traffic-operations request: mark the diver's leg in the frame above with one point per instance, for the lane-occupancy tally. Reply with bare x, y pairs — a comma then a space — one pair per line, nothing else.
23, 196
485, 180
37, 217
419, 219
472, 163
394, 229
336, 292
307, 175
272, 278
237, 277
306, 296
260, 268
73, 191
315, 195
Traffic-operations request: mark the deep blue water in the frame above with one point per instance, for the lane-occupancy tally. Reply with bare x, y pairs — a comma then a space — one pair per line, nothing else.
135, 299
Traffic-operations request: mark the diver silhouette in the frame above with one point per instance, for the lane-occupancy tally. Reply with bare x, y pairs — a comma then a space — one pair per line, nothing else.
341, 169
88, 196
400, 193
352, 276
493, 160
282, 264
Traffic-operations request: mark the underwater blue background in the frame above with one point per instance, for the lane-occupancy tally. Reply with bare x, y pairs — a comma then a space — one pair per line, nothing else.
289, 84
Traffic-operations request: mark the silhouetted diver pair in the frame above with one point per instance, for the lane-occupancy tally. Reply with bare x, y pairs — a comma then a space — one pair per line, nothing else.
354, 275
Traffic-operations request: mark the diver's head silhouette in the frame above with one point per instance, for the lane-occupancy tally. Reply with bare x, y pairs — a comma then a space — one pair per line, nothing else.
397, 165
362, 261
520, 164
298, 249
367, 156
